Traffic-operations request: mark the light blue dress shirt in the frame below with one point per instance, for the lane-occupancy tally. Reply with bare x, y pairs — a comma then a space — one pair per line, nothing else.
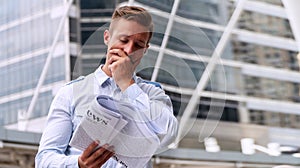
65, 115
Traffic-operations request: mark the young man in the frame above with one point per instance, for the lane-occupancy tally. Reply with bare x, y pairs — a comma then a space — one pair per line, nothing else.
127, 40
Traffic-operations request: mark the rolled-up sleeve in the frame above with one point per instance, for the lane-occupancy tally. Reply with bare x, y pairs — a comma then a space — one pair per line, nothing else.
55, 139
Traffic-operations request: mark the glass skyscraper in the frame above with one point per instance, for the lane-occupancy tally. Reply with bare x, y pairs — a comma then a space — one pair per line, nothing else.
251, 92
29, 28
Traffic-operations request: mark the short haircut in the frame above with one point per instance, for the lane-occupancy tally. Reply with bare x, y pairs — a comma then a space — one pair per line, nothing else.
137, 14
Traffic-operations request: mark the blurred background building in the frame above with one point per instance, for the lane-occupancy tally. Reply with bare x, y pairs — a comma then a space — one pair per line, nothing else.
252, 90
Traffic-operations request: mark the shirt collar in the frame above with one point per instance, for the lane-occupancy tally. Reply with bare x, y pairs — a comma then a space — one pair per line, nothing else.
100, 75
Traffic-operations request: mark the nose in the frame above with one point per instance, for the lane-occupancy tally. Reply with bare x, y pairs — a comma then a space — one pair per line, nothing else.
129, 48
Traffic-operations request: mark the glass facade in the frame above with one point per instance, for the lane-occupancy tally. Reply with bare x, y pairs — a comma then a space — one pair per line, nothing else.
196, 31
27, 30
255, 81
197, 42
183, 56
197, 28
95, 18
266, 57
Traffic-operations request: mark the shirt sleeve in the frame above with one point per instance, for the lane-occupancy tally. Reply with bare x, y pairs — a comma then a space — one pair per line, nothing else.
56, 136
157, 107
136, 96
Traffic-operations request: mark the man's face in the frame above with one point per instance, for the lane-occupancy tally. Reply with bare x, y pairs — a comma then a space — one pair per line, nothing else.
128, 36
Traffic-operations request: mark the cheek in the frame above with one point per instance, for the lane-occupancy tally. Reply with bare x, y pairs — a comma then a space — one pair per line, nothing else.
137, 58
113, 43
139, 53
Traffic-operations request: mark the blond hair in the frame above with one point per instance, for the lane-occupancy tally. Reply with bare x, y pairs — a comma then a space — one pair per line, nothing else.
137, 14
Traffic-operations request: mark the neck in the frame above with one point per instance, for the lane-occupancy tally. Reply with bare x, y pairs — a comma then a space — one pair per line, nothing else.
106, 70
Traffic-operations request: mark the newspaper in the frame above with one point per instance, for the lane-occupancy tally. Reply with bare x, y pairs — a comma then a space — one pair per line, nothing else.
118, 124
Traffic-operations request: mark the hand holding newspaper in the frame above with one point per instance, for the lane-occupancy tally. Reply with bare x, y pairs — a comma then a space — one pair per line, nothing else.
118, 124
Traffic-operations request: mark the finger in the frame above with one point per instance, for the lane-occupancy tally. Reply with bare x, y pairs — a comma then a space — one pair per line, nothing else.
107, 154
89, 150
113, 59
118, 52
111, 54
107, 157
112, 64
97, 154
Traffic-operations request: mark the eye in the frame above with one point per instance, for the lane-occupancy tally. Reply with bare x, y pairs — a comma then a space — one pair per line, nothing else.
123, 40
140, 45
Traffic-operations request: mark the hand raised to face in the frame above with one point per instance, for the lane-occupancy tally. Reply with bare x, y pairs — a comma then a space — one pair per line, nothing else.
126, 43
122, 67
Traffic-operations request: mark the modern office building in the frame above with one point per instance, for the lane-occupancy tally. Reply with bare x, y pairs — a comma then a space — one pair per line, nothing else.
268, 56
39, 41
30, 30
230, 67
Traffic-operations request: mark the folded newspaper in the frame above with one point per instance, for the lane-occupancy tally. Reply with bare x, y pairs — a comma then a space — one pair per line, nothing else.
121, 125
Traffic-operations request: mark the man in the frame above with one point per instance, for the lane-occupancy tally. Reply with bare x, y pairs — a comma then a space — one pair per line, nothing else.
127, 40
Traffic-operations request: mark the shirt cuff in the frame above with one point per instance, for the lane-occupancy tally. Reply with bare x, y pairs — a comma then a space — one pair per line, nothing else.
132, 92
136, 96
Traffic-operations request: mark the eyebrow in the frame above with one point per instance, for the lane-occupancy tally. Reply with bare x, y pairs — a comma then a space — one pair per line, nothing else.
123, 35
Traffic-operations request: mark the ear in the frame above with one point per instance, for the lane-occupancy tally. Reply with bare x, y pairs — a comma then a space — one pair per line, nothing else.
146, 49
106, 37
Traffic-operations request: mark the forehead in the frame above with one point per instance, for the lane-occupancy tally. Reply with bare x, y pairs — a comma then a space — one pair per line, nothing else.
129, 28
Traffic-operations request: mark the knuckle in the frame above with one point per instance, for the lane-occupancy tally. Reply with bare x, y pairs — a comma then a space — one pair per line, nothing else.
85, 163
99, 151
